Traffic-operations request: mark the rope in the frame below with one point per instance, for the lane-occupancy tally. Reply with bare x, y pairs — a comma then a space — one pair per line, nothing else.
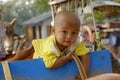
6, 70
80, 67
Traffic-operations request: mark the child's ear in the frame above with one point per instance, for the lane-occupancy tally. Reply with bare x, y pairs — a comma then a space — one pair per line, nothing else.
53, 29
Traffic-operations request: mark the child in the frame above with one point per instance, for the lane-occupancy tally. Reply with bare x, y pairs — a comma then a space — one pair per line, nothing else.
56, 50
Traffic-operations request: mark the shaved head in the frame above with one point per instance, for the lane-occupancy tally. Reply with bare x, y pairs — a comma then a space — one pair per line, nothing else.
66, 17
66, 29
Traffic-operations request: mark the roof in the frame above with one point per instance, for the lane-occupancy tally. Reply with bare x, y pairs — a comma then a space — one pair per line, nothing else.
38, 19
104, 3
56, 2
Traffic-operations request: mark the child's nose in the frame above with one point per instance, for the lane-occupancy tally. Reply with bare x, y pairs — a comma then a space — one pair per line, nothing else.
69, 36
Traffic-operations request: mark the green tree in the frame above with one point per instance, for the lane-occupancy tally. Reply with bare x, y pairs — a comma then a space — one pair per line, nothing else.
42, 5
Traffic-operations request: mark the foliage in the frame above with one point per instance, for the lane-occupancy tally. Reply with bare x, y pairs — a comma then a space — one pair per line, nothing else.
109, 0
42, 5
99, 16
116, 1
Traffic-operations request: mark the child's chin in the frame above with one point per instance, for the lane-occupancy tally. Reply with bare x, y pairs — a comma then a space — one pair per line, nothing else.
67, 45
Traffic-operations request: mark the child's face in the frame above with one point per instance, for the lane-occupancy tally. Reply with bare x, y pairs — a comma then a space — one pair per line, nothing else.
66, 34
66, 29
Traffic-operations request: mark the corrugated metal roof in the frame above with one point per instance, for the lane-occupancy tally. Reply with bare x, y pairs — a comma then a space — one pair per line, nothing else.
38, 19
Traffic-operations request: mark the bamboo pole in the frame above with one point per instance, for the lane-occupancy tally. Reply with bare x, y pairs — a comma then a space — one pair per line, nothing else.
6, 70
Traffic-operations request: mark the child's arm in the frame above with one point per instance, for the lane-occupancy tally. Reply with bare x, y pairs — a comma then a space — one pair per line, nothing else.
22, 53
108, 76
86, 61
62, 60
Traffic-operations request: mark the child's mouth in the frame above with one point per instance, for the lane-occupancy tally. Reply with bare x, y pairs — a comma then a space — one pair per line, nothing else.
68, 42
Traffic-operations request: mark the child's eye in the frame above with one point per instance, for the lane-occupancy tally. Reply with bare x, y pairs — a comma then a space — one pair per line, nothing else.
74, 33
64, 32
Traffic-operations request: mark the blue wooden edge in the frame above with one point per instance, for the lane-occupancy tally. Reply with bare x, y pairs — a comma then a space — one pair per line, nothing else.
35, 69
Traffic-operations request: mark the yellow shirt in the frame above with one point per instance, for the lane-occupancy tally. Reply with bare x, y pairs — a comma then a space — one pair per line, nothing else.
48, 50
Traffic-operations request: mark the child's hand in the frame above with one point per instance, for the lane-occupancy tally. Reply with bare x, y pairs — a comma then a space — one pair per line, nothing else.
22, 53
77, 77
69, 56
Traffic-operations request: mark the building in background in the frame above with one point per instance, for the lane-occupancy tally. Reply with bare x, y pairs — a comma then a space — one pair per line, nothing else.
38, 27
